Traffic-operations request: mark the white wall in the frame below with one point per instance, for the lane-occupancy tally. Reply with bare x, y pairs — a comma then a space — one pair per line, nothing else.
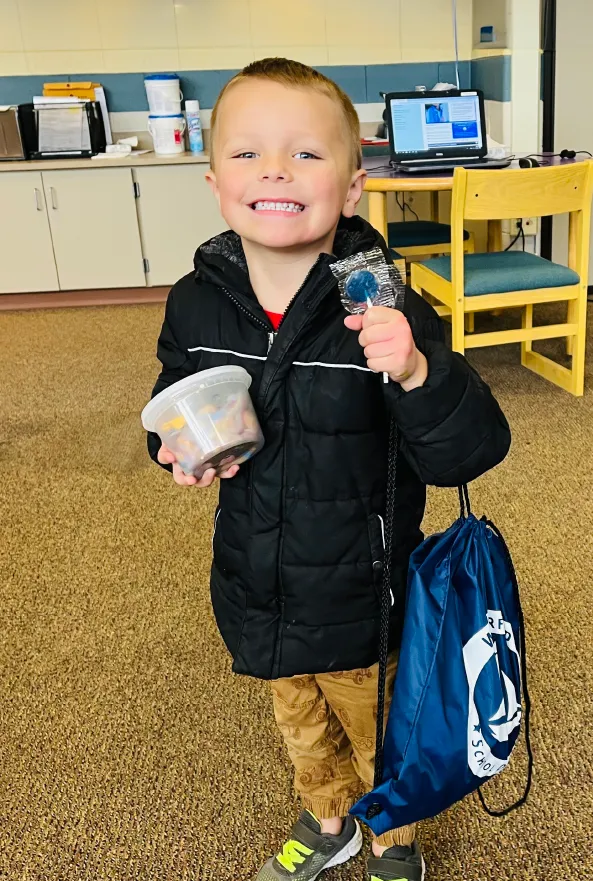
574, 76
118, 36
524, 31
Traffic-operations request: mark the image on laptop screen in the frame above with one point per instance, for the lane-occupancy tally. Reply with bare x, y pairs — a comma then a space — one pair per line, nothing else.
422, 123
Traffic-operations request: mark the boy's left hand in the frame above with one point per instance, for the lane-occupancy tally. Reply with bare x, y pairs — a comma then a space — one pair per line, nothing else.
389, 347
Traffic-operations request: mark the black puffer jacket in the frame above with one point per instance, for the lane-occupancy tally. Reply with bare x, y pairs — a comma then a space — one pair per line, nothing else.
298, 529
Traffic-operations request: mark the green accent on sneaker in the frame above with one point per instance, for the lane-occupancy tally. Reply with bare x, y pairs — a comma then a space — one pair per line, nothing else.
293, 855
309, 852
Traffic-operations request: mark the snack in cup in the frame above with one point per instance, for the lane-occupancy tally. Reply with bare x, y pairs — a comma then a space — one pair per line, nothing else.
207, 420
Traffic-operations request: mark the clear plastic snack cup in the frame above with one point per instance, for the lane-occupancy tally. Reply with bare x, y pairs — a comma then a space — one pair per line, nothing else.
207, 420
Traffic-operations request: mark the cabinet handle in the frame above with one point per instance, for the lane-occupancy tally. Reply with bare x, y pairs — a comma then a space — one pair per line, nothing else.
54, 201
38, 201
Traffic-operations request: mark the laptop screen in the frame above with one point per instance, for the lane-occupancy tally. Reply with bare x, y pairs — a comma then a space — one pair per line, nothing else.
423, 124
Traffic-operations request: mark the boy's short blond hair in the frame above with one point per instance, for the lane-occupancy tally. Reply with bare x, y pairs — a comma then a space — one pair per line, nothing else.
296, 75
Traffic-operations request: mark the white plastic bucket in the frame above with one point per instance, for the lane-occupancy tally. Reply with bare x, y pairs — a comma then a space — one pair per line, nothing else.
207, 420
167, 134
163, 93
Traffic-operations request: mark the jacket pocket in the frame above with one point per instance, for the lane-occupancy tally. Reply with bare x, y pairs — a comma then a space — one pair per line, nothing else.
377, 545
377, 542
216, 519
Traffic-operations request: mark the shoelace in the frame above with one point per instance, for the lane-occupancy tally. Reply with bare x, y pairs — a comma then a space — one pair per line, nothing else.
293, 855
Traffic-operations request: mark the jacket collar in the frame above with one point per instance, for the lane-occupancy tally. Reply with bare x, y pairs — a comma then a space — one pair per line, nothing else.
221, 260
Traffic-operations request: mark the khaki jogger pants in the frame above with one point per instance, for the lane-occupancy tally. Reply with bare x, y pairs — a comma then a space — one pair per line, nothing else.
328, 722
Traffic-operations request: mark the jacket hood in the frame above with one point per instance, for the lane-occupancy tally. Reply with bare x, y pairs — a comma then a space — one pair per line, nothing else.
221, 260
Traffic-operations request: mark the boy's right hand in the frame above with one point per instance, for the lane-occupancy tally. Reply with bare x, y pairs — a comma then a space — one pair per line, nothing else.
167, 457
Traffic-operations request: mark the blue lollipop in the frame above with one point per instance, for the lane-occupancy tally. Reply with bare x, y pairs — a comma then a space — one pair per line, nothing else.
361, 286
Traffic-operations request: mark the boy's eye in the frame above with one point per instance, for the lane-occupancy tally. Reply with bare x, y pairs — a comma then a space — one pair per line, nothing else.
306, 155
248, 154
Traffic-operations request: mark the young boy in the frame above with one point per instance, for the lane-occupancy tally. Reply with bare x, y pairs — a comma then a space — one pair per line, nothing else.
298, 544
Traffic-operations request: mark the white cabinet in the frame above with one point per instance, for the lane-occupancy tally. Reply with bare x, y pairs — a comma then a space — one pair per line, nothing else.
177, 212
84, 228
94, 228
26, 255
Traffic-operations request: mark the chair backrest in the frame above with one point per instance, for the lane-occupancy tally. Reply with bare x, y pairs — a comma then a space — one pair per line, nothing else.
523, 192
526, 192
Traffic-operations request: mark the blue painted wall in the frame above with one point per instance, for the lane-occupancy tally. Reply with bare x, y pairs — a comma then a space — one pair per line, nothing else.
363, 83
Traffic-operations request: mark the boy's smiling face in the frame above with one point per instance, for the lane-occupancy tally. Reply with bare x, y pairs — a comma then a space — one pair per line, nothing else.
283, 165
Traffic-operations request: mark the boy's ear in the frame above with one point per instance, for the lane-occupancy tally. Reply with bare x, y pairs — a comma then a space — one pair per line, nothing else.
354, 192
211, 178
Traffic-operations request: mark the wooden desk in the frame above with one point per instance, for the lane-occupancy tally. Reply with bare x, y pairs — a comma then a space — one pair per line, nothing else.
381, 180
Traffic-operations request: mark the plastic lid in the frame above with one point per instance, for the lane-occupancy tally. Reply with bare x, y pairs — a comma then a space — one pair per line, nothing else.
203, 379
162, 76
192, 106
165, 115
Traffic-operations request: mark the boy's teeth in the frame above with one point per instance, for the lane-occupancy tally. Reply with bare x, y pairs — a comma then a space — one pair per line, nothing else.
279, 206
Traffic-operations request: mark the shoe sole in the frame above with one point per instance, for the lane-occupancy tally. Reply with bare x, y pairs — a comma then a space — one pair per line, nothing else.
351, 850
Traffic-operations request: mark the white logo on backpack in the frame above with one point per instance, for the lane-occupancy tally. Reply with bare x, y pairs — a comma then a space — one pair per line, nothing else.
477, 652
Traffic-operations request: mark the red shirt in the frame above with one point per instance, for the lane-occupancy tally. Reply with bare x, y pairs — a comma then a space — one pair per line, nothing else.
275, 318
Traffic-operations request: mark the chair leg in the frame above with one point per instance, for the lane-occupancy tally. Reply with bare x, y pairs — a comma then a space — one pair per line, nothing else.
571, 318
579, 313
526, 324
470, 323
458, 327
572, 380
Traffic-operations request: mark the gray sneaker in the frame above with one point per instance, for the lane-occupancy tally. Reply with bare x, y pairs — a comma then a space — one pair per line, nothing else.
398, 864
308, 852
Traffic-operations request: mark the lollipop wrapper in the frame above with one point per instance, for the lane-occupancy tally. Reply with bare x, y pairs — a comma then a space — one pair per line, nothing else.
368, 279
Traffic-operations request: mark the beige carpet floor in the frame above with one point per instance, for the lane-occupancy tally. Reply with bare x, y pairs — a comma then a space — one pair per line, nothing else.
128, 750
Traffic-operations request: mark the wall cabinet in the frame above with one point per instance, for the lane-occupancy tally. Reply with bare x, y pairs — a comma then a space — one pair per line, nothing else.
177, 212
26, 255
95, 228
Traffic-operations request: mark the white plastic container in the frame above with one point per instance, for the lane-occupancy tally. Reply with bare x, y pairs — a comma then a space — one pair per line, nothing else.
194, 126
163, 93
207, 420
167, 134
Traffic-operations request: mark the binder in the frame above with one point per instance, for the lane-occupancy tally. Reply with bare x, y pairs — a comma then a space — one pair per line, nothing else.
70, 90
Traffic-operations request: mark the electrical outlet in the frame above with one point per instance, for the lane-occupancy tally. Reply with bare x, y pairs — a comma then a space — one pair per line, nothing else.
530, 225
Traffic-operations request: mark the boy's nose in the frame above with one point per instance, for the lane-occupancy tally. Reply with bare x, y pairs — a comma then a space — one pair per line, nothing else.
274, 170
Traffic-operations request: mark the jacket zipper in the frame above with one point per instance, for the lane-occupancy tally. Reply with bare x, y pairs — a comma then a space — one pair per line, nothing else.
307, 277
271, 334
278, 647
271, 339
247, 312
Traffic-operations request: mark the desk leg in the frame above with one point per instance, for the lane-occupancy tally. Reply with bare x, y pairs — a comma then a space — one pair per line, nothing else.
495, 235
434, 206
378, 212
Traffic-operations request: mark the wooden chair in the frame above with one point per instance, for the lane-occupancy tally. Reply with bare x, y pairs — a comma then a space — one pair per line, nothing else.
472, 283
418, 239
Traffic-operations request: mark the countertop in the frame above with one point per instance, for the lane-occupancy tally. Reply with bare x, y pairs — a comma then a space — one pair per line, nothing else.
130, 161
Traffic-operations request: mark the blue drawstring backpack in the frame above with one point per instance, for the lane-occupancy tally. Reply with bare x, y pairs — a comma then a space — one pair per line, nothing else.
457, 705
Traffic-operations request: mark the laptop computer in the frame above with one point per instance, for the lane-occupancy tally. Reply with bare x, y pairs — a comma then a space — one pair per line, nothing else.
438, 131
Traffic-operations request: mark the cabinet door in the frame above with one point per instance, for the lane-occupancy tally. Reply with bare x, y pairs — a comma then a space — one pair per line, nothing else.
26, 256
177, 212
94, 228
